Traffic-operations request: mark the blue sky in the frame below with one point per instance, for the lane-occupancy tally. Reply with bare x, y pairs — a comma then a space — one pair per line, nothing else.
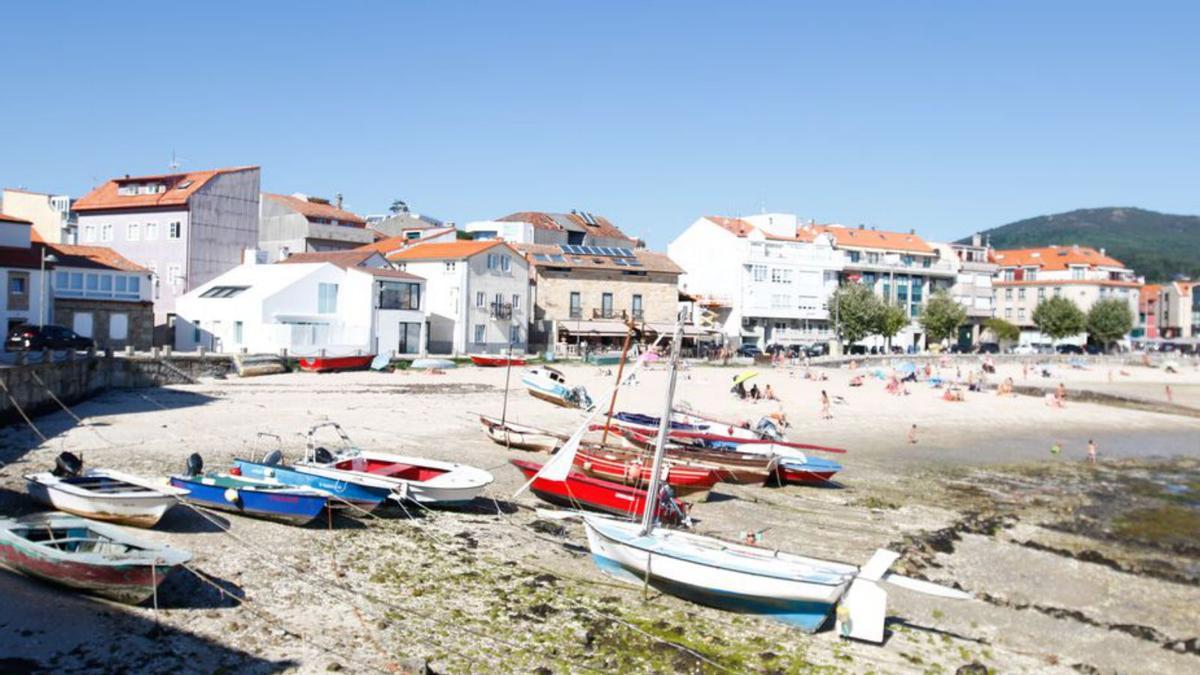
941, 116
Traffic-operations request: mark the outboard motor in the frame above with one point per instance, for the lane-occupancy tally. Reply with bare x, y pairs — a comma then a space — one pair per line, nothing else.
322, 456
67, 465
767, 427
273, 458
195, 464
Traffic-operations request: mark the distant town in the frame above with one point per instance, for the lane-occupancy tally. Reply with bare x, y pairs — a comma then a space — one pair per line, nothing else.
204, 260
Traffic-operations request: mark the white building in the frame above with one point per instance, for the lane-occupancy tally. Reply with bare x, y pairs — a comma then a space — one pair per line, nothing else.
514, 232
50, 214
478, 294
20, 270
762, 279
344, 303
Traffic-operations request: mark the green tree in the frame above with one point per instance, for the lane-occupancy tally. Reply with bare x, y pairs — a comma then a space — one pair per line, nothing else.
1003, 330
942, 316
1109, 320
1059, 317
855, 308
398, 206
889, 320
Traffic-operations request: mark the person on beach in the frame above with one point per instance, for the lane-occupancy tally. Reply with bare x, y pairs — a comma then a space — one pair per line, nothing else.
912, 435
1091, 451
1060, 395
825, 414
769, 394
1170, 396
754, 393
1024, 371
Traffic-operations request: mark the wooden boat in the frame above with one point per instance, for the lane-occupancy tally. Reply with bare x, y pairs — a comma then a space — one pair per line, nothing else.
520, 436
102, 494
731, 466
497, 360
427, 481
580, 491
549, 384
249, 497
683, 433
86, 556
329, 364
810, 470
634, 470
365, 495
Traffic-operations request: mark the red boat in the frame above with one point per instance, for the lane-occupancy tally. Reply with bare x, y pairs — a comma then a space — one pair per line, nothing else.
689, 436
497, 360
633, 471
328, 364
583, 491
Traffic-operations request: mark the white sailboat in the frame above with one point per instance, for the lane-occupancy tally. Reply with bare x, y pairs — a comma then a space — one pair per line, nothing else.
799, 590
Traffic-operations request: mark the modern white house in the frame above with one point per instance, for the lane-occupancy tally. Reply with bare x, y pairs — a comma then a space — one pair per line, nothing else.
186, 228
478, 294
760, 279
342, 303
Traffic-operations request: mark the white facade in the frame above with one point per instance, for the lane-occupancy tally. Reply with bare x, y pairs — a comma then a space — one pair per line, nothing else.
477, 303
304, 308
512, 232
22, 277
760, 283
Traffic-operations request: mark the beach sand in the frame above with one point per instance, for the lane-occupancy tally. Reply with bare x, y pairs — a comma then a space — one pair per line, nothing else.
499, 588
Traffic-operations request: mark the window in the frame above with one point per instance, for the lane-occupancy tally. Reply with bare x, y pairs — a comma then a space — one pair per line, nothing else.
106, 232
93, 282
1021, 314
873, 258
196, 332
1008, 294
133, 232
399, 295
1008, 312
451, 266
1077, 272
576, 305
1020, 293
106, 284
516, 301
410, 338
1031, 273
174, 230
505, 263
479, 328
118, 326
174, 275
480, 299
492, 262
82, 323
223, 291
17, 283
1057, 291
151, 231
1041, 294
636, 306
606, 305
759, 272
89, 233
780, 276
854, 256
514, 334
237, 332
327, 298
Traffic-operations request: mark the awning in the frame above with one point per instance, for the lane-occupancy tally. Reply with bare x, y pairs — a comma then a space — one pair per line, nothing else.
582, 327
689, 331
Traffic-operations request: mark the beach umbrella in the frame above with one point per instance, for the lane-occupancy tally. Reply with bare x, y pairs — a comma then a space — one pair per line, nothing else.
749, 374
649, 357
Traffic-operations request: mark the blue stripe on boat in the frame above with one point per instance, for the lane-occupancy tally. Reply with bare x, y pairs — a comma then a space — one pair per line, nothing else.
364, 496
300, 508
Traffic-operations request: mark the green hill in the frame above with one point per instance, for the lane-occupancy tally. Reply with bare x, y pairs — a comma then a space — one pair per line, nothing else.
1157, 245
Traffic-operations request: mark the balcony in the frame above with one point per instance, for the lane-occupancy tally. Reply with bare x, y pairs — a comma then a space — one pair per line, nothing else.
637, 314
501, 310
610, 314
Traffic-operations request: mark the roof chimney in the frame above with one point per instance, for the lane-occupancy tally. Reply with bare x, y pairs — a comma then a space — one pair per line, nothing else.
861, 226
912, 230
339, 201
977, 239
1102, 251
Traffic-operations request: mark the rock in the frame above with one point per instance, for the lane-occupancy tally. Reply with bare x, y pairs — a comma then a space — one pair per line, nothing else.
548, 527
972, 668
334, 667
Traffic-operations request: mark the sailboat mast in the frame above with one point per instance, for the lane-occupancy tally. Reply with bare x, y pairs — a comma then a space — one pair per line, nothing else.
612, 403
664, 428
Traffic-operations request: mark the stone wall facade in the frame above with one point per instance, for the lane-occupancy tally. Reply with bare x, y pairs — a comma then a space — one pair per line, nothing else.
139, 317
659, 297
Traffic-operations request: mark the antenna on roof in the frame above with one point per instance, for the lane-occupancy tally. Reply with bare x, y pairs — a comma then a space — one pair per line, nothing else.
174, 165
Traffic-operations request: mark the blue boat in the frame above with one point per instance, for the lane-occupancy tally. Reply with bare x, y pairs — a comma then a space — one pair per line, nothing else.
362, 495
259, 499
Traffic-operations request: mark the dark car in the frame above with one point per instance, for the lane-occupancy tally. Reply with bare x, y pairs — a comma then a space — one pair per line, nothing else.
1093, 349
37, 338
749, 350
858, 350
1069, 349
987, 348
814, 350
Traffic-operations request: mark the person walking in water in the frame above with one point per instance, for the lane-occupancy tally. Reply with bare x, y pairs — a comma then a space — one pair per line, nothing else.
1091, 451
912, 435
825, 414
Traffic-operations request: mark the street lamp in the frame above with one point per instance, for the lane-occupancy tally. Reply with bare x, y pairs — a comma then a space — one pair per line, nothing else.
46, 258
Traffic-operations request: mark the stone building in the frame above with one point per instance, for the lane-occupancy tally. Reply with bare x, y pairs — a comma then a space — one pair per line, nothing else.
100, 294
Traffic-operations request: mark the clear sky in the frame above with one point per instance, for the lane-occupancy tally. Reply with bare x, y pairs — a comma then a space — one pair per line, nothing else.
941, 116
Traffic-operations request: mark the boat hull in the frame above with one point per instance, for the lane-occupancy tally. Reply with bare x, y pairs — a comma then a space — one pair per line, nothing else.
417, 479
684, 480
361, 496
136, 509
497, 360
593, 494
812, 471
519, 437
328, 364
291, 507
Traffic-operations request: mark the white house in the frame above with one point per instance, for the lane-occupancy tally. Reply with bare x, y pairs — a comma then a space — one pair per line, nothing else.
514, 232
20, 270
478, 294
761, 279
343, 302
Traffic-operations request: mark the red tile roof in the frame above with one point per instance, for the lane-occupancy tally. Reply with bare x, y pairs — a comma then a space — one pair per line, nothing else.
554, 222
1054, 257
317, 209
650, 261
349, 258
1069, 282
14, 219
849, 237
451, 250
736, 226
92, 257
179, 188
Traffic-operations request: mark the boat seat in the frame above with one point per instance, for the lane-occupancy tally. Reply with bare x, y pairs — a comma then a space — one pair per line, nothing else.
390, 469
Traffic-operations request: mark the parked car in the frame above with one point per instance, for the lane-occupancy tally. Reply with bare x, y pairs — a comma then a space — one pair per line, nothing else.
817, 349
36, 338
1093, 349
1025, 350
987, 348
857, 350
1069, 349
749, 350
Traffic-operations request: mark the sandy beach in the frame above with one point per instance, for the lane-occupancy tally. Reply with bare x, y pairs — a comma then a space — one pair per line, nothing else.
979, 501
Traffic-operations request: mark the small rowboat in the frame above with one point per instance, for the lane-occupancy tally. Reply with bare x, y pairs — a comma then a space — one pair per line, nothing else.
249, 497
550, 385
86, 556
808, 470
102, 494
682, 432
731, 466
329, 364
497, 360
520, 436
634, 471
580, 491
431, 364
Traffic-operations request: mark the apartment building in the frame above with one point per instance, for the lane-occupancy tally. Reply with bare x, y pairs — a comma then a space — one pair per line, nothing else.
1149, 303
186, 228
577, 228
761, 280
972, 286
300, 223
1179, 309
1028, 276
51, 215
22, 272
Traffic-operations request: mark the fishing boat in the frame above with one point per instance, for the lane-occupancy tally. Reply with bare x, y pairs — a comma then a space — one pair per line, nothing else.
520, 436
329, 364
431, 364
102, 494
497, 360
549, 384
580, 491
426, 481
635, 471
800, 590
250, 497
809, 470
730, 465
86, 556
364, 494
684, 433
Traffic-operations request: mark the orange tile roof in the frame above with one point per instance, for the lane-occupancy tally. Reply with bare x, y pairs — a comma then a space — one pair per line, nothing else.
450, 250
1069, 282
178, 191
849, 237
387, 245
735, 226
95, 257
1151, 291
346, 258
1054, 257
320, 209
14, 219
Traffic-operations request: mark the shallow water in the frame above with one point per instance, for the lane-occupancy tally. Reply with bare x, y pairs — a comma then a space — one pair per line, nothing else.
1036, 445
